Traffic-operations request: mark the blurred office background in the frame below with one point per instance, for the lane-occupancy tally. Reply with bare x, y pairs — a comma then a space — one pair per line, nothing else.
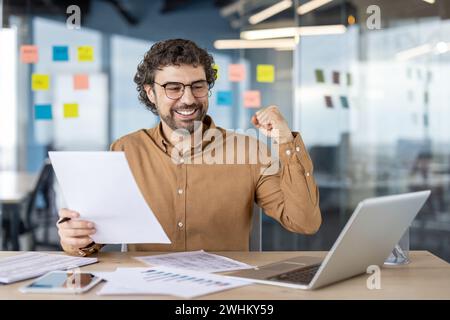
365, 82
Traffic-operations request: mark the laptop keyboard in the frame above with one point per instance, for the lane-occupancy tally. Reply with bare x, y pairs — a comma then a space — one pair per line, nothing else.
301, 276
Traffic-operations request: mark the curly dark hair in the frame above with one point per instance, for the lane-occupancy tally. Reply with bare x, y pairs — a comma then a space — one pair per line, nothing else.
171, 52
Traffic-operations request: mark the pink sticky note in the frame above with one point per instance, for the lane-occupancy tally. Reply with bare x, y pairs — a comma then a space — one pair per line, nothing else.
81, 82
252, 99
29, 54
236, 72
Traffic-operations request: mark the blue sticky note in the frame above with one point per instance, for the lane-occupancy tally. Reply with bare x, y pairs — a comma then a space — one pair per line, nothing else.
60, 53
43, 112
224, 98
344, 102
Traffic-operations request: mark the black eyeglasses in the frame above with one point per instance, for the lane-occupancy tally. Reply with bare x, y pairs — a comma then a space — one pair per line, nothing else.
175, 90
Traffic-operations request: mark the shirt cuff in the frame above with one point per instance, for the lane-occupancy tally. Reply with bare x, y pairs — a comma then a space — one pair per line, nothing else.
295, 152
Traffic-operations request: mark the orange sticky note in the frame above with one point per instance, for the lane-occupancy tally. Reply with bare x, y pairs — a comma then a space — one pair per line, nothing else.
265, 73
29, 54
86, 53
236, 72
252, 99
81, 82
40, 82
71, 110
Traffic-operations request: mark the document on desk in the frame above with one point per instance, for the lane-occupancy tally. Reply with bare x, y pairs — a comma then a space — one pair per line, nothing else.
166, 281
195, 260
34, 264
101, 187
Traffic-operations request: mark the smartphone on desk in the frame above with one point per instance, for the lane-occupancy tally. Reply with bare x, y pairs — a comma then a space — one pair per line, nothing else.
62, 282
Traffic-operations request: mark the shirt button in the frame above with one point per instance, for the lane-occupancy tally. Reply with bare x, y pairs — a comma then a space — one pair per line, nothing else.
288, 152
297, 149
180, 224
181, 160
180, 191
307, 174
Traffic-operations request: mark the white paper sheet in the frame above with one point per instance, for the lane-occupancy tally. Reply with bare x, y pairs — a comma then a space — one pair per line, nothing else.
168, 281
195, 260
101, 187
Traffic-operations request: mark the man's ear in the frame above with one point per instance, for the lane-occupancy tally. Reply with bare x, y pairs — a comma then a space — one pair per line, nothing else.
150, 94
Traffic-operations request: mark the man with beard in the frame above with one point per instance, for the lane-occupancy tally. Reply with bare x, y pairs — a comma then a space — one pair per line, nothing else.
203, 205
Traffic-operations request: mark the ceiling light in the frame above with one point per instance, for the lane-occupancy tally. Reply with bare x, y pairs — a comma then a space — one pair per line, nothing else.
292, 32
270, 11
311, 5
254, 44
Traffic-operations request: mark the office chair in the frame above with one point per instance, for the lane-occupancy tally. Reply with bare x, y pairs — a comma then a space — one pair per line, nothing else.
41, 208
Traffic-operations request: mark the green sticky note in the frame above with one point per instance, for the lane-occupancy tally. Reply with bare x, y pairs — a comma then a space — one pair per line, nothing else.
320, 78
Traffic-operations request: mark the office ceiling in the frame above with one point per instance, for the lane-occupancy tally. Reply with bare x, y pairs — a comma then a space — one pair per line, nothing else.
333, 12
237, 12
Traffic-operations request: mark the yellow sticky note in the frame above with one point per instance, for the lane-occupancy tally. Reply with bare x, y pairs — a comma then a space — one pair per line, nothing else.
252, 99
216, 67
86, 53
71, 110
29, 54
265, 73
40, 82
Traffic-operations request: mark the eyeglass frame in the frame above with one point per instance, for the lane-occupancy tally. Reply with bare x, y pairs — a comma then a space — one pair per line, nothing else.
208, 94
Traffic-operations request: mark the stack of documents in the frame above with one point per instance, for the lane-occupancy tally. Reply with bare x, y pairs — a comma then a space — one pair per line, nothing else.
165, 281
34, 264
183, 274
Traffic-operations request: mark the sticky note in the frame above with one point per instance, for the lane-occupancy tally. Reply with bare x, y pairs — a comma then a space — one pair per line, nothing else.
43, 112
328, 102
29, 54
60, 53
86, 54
265, 73
344, 102
81, 82
336, 77
71, 110
349, 79
224, 98
40, 82
216, 67
236, 72
252, 99
320, 78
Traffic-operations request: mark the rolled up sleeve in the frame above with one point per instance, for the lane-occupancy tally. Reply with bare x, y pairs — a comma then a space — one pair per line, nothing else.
291, 195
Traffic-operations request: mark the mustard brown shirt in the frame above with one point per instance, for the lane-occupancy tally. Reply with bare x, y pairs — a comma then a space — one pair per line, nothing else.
209, 206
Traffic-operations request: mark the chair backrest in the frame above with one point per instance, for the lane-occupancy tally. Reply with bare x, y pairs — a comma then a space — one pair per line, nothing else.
44, 185
256, 230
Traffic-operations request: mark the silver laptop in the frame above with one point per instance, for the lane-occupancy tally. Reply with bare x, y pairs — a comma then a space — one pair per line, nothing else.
368, 238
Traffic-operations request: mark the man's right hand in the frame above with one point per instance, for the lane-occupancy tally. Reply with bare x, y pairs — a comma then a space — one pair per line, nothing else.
74, 233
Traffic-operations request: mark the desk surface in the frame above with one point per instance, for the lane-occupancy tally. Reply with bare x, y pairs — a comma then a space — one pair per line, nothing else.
15, 185
426, 277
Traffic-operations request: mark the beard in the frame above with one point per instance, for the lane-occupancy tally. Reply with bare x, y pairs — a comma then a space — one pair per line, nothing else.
176, 121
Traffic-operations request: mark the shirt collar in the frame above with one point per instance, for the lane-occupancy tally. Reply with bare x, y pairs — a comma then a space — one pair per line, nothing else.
157, 135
